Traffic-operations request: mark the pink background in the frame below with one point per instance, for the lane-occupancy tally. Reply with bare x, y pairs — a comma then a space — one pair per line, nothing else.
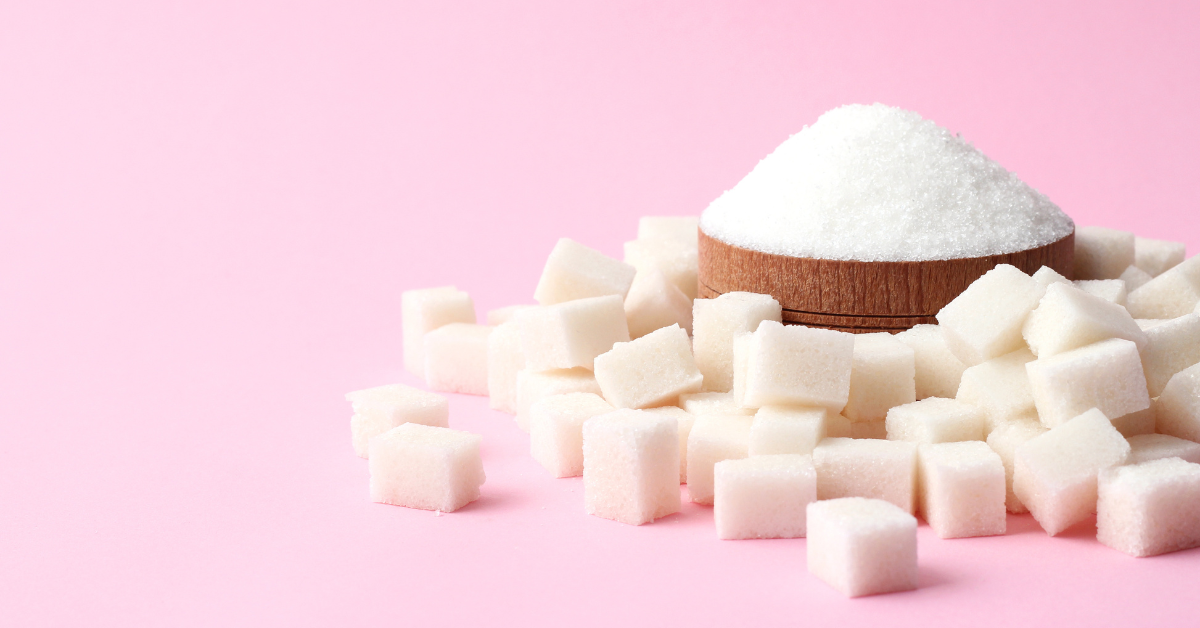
209, 213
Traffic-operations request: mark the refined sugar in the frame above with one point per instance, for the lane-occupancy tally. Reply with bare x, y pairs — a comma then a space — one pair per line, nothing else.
787, 430
682, 229
1004, 440
1000, 387
1147, 447
1171, 347
962, 489
715, 323
1106, 375
985, 321
650, 371
882, 469
534, 385
422, 311
1102, 253
654, 303
936, 420
1140, 422
869, 429
686, 421
712, 403
1046, 276
1178, 407
379, 409
556, 430
456, 358
838, 426
1054, 474
573, 333
574, 271
882, 377
1146, 323
677, 262
714, 438
505, 360
862, 546
1169, 295
631, 466
938, 371
1134, 278
1157, 256
1150, 508
798, 365
502, 315
764, 497
1068, 318
431, 468
1111, 290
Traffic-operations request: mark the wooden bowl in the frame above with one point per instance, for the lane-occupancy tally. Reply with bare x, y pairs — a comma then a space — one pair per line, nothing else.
860, 297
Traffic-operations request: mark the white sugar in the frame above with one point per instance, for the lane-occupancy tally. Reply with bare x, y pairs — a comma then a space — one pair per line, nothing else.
830, 190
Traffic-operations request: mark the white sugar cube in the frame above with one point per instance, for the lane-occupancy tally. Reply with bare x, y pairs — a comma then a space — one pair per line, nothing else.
1054, 474
714, 438
1106, 375
456, 358
1046, 276
936, 420
862, 546
574, 271
1169, 295
650, 371
1000, 387
1004, 440
985, 321
797, 365
1171, 347
1157, 256
682, 229
1150, 508
573, 333
938, 370
1178, 407
1111, 290
556, 430
715, 323
1147, 447
1140, 422
838, 426
379, 409
504, 360
422, 311
631, 466
1068, 318
962, 489
787, 430
880, 469
654, 303
686, 421
1134, 278
869, 429
535, 385
712, 403
1147, 323
676, 261
431, 468
1102, 253
882, 377
764, 497
505, 314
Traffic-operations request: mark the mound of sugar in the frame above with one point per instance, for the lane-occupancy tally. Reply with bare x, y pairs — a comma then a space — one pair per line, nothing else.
826, 190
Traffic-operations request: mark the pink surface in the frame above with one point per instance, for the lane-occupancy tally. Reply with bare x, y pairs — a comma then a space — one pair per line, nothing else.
209, 214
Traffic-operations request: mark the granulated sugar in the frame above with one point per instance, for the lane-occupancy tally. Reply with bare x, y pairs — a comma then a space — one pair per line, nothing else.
877, 183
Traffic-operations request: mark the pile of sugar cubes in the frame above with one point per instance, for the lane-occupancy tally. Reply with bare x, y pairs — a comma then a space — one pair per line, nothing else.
1033, 394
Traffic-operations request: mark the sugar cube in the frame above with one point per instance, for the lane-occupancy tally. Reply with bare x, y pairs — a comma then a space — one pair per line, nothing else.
1140, 422
686, 421
1179, 405
1134, 278
631, 466
1004, 440
936, 420
379, 409
573, 333
869, 429
654, 303
574, 271
714, 438
1106, 375
456, 358
764, 497
715, 323
1146, 323
882, 469
1147, 447
422, 311
985, 321
426, 467
1169, 295
677, 262
1068, 318
962, 489
534, 385
1171, 347
1150, 508
712, 403
1046, 276
882, 377
504, 360
839, 426
1000, 387
1157, 256
653, 370
682, 229
798, 365
862, 546
787, 430
502, 315
1111, 290
1102, 253
556, 430
938, 370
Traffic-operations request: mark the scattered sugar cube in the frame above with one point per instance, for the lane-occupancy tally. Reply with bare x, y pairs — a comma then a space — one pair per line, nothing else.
556, 430
712, 403
379, 409
1134, 278
797, 365
962, 489
862, 546
764, 497
1046, 276
715, 323
1147, 447
869, 429
650, 371
1068, 318
574, 271
654, 303
985, 321
1157, 256
882, 377
631, 466
682, 229
431, 468
787, 430
1004, 440
1140, 422
1150, 508
1000, 387
677, 262
714, 438
456, 358
573, 333
881, 469
1179, 405
1170, 347
936, 420
686, 421
1054, 474
505, 314
504, 360
1106, 375
1102, 253
1169, 295
535, 385
422, 311
938, 370
1111, 290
